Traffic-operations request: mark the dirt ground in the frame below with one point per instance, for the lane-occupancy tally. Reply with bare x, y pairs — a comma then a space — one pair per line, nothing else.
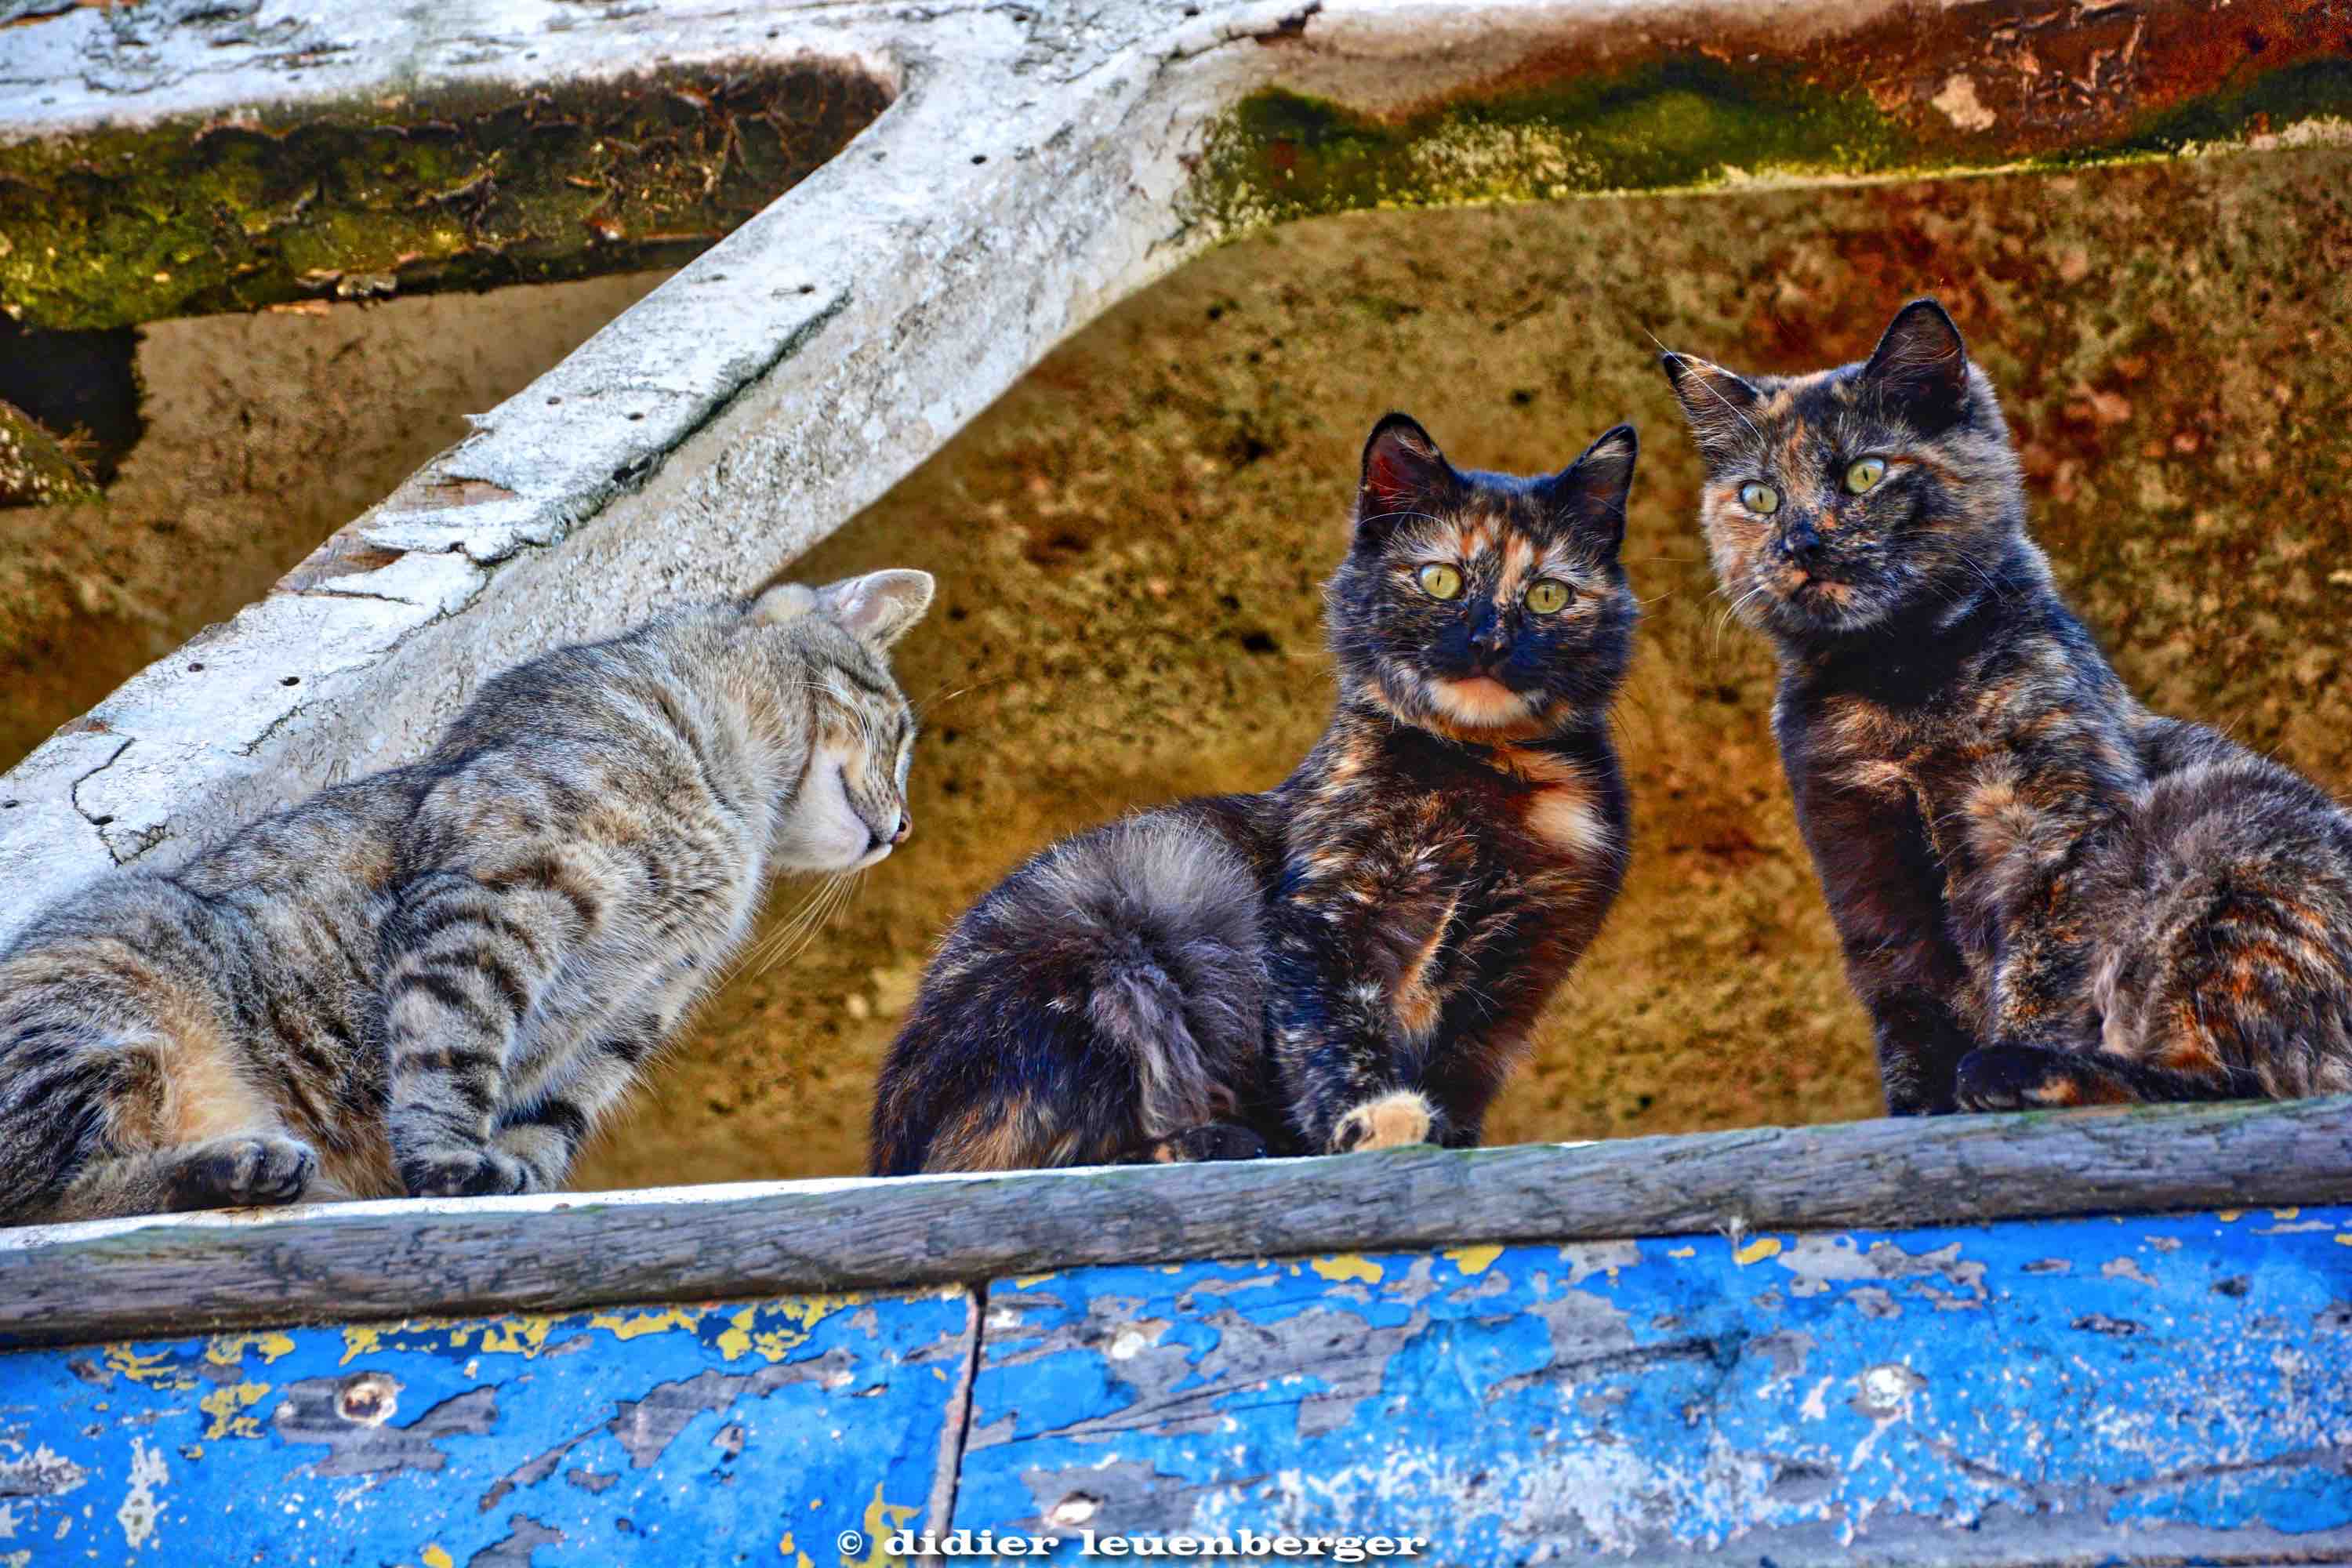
1130, 542
264, 433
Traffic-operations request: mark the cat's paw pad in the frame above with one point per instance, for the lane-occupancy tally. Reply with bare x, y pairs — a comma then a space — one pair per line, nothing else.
2025, 1078
464, 1173
1209, 1142
1395, 1119
245, 1172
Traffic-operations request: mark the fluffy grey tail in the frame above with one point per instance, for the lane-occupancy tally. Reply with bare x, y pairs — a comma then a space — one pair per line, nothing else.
1108, 993
1178, 980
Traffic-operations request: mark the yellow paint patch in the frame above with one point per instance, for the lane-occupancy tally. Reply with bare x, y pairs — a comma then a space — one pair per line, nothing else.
2231, 1216
228, 1350
1682, 1252
1031, 1281
1757, 1251
788, 1548
227, 1406
1348, 1266
359, 1343
629, 1328
2284, 1213
2344, 1241
154, 1371
510, 1336
883, 1519
437, 1558
1475, 1260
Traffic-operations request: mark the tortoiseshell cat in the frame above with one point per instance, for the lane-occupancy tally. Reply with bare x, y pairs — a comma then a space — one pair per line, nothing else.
2046, 894
435, 980
1352, 958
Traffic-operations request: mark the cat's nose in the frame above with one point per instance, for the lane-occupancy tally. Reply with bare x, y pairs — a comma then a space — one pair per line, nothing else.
1489, 640
1802, 543
905, 825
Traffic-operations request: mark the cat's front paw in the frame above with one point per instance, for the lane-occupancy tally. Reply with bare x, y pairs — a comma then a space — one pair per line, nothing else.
1397, 1118
245, 1172
2031, 1077
464, 1173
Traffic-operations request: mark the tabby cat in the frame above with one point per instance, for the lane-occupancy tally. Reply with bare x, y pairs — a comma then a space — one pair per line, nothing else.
2046, 894
435, 980
1354, 958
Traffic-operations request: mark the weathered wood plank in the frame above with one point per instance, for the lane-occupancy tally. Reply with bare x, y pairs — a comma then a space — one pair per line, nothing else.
361, 1261
2076, 1391
744, 1432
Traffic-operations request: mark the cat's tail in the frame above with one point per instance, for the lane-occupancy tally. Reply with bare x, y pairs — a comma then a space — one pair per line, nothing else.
1104, 998
2225, 904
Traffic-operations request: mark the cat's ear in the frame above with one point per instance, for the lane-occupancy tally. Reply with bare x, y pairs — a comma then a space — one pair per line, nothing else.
1921, 367
784, 602
878, 607
1719, 406
1404, 473
1590, 494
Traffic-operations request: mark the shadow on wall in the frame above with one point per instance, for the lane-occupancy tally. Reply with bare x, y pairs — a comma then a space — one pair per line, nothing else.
262, 435
1130, 545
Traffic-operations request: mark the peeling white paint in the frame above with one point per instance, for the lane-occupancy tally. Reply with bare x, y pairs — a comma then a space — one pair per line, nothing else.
140, 1511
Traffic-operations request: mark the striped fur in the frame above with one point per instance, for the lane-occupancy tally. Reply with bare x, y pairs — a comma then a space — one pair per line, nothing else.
436, 980
2046, 894
1355, 957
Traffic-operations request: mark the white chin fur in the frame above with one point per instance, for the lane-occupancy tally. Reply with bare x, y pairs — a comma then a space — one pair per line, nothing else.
1478, 702
825, 833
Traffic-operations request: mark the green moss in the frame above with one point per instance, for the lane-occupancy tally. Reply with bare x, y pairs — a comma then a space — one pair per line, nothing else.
1670, 124
2313, 90
37, 468
454, 190
1675, 124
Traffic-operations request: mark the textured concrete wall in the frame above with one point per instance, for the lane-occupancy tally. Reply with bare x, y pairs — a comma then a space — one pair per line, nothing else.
264, 434
1129, 544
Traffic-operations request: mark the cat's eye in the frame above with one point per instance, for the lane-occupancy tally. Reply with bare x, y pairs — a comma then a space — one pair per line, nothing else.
1762, 500
1439, 582
1864, 473
1549, 596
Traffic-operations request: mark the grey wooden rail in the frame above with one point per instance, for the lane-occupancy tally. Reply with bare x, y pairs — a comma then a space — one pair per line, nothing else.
359, 1261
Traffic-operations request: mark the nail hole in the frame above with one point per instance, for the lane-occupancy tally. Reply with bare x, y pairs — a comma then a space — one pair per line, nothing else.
195, 670
980, 157
291, 680
636, 416
7, 804
553, 401
100, 821
808, 288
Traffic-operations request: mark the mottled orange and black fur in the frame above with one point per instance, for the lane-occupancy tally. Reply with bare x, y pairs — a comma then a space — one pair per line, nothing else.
1354, 958
2046, 895
435, 980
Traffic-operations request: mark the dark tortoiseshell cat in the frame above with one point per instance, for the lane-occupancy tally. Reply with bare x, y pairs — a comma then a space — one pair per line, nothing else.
2046, 894
1354, 958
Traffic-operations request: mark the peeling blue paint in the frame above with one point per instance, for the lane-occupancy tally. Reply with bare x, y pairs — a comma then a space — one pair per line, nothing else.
2174, 1389
735, 1432
2088, 1386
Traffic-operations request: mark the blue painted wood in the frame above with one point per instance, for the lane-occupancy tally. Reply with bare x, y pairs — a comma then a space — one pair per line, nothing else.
745, 1431
2079, 1391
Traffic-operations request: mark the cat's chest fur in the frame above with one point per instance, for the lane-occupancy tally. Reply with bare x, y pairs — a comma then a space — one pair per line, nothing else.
1455, 870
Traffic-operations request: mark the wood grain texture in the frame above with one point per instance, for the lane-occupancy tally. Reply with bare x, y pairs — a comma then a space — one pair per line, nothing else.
356, 1262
